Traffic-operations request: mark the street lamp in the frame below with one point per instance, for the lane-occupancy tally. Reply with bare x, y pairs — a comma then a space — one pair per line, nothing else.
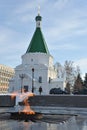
22, 76
32, 80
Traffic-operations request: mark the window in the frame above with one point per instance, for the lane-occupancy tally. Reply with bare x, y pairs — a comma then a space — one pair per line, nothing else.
40, 79
31, 60
25, 88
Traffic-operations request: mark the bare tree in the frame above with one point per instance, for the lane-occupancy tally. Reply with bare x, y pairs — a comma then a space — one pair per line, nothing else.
71, 72
68, 73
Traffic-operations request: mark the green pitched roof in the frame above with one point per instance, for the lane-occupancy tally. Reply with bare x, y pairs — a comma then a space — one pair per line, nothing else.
38, 43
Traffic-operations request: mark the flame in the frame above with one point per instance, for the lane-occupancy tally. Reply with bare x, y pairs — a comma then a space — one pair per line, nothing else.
27, 110
13, 95
23, 97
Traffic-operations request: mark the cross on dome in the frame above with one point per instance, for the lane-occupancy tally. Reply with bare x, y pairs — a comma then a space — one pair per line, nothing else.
38, 43
38, 9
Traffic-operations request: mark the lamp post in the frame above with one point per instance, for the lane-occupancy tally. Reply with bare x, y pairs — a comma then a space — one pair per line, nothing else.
32, 80
22, 77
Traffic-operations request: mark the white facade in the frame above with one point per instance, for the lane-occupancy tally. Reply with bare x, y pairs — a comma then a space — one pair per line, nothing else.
43, 70
37, 71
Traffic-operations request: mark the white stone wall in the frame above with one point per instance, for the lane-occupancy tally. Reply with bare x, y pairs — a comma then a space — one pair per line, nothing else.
43, 67
36, 58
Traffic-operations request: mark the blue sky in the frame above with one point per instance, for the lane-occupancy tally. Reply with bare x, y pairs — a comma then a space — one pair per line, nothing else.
64, 26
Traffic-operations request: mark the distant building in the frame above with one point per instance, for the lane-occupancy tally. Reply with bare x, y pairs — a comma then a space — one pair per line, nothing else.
37, 73
6, 73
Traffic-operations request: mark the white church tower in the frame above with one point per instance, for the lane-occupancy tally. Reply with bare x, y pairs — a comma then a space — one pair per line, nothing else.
37, 72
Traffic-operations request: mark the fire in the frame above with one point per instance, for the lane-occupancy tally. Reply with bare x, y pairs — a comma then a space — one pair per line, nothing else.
13, 95
27, 110
23, 97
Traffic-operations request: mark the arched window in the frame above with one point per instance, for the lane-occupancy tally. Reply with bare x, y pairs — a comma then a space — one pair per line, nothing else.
40, 79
